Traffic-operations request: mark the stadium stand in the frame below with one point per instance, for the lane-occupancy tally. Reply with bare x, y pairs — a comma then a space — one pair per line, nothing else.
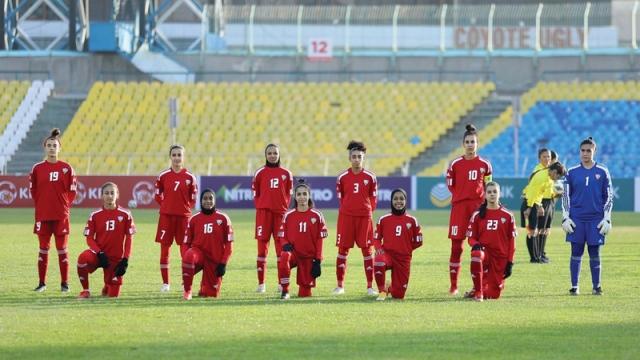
556, 111
11, 95
123, 127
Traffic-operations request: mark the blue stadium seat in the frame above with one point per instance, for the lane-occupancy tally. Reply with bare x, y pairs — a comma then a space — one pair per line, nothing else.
560, 125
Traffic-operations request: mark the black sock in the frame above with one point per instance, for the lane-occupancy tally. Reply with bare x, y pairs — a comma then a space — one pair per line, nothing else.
530, 246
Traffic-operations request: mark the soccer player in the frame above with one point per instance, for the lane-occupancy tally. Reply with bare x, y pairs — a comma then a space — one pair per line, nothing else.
109, 232
466, 178
301, 236
209, 240
52, 184
357, 191
397, 235
176, 190
492, 234
586, 213
271, 187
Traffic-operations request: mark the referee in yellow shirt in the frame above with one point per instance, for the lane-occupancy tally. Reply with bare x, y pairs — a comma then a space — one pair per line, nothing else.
537, 212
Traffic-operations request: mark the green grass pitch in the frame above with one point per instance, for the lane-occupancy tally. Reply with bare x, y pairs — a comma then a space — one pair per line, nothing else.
535, 318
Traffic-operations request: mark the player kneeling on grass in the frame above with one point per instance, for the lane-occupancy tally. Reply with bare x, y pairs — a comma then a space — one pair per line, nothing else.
209, 239
397, 235
491, 234
301, 236
109, 233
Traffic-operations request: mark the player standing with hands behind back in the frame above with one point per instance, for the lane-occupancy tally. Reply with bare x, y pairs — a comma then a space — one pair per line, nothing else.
586, 213
466, 178
271, 187
52, 184
176, 191
357, 191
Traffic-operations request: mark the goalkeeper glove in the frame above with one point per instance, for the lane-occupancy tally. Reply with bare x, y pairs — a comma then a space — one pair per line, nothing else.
122, 266
316, 270
221, 270
103, 260
605, 224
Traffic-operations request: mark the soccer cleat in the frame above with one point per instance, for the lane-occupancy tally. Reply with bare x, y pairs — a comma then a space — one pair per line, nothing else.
187, 295
478, 298
382, 296
470, 294
165, 288
285, 295
453, 291
64, 287
372, 292
574, 291
261, 289
338, 291
544, 260
597, 291
84, 294
40, 288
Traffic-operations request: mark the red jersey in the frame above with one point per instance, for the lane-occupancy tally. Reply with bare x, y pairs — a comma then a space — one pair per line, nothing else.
212, 234
176, 192
53, 188
497, 232
357, 193
305, 231
399, 234
110, 231
272, 188
465, 178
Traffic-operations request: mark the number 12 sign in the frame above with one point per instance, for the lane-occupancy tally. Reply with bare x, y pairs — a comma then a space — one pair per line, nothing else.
319, 49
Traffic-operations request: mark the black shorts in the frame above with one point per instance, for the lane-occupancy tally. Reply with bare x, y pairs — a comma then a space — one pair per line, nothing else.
523, 219
541, 222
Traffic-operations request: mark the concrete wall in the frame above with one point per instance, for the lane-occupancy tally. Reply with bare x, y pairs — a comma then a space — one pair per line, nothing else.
76, 74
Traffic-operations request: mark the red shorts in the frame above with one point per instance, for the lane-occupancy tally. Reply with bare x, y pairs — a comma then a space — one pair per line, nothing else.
91, 260
267, 224
171, 227
493, 277
303, 274
400, 266
354, 229
459, 219
52, 227
210, 283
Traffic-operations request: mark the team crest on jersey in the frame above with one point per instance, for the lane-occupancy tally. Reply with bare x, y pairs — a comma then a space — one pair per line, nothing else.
366, 182
482, 170
120, 218
284, 177
313, 220
65, 170
503, 220
408, 225
597, 176
188, 182
219, 222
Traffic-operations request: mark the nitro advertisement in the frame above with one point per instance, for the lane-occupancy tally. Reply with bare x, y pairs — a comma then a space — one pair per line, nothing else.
234, 192
135, 191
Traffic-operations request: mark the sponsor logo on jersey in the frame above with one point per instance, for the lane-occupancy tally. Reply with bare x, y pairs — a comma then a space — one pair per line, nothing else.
313, 220
219, 222
143, 192
8, 192
81, 193
440, 195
